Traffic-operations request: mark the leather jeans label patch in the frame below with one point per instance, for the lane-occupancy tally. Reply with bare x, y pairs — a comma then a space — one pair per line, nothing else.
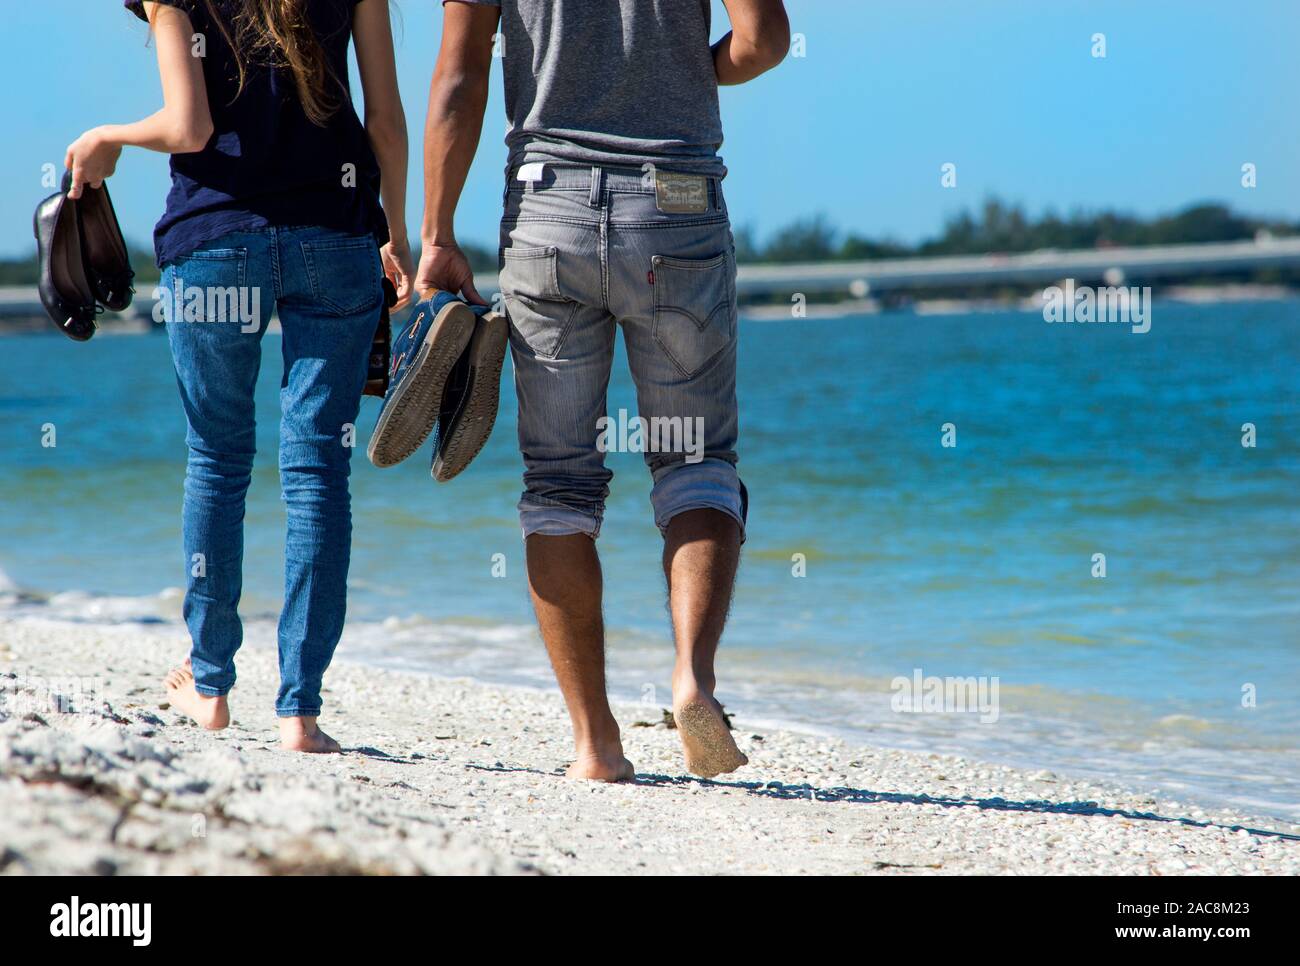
681, 194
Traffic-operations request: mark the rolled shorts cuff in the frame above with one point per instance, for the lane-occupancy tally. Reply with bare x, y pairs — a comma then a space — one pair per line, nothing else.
556, 520
708, 485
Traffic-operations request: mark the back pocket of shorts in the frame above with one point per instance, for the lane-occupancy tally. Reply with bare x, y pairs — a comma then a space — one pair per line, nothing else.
344, 274
535, 305
694, 309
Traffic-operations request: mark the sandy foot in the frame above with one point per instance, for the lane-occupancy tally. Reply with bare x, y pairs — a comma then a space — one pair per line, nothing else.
706, 739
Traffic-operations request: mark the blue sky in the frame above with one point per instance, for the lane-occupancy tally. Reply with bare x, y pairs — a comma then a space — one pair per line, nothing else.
856, 130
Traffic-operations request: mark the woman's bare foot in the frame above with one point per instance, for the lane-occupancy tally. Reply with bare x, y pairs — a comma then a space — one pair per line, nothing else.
207, 711
706, 739
302, 734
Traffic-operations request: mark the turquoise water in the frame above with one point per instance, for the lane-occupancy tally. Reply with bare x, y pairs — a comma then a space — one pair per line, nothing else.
969, 561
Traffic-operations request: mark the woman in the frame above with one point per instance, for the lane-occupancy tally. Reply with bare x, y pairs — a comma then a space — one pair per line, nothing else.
275, 202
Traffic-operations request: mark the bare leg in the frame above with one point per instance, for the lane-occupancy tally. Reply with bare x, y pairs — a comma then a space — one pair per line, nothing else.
701, 553
565, 581
210, 712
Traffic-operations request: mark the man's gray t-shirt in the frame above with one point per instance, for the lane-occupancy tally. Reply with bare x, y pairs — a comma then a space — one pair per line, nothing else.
610, 82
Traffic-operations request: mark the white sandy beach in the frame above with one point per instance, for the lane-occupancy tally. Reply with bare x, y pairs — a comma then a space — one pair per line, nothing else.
452, 776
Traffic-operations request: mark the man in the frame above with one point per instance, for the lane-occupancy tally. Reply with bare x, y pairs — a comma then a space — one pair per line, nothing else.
614, 214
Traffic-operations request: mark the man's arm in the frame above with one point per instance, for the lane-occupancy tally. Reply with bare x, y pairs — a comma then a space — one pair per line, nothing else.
457, 98
758, 41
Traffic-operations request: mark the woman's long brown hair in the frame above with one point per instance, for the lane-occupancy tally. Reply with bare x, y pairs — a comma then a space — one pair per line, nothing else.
277, 33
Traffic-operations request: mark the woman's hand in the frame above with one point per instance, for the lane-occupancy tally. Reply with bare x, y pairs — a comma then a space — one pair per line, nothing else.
399, 267
91, 158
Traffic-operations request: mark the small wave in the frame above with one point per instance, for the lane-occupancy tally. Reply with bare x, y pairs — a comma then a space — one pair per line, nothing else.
83, 607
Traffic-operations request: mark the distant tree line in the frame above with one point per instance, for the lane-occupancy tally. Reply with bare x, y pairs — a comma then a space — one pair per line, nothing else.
1000, 227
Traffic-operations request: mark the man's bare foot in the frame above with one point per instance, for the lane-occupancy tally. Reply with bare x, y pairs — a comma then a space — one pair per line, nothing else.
706, 739
601, 770
207, 711
604, 766
302, 734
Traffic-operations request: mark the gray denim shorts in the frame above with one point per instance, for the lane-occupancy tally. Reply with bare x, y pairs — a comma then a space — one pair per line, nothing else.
582, 250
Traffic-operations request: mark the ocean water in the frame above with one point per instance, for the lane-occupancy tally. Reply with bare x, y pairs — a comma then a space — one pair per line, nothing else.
1180, 669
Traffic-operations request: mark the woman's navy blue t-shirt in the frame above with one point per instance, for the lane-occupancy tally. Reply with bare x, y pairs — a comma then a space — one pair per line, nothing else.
267, 164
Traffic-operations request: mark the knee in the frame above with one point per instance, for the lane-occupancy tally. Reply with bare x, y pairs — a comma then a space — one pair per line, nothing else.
216, 471
311, 486
562, 505
710, 484
314, 469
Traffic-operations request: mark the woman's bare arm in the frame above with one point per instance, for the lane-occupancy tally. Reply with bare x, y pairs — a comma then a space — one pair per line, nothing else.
183, 125
372, 33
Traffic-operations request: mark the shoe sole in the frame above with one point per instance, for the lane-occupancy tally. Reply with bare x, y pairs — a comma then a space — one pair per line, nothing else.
409, 417
473, 424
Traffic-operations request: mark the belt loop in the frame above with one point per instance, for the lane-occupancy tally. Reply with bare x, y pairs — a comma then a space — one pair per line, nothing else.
597, 185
